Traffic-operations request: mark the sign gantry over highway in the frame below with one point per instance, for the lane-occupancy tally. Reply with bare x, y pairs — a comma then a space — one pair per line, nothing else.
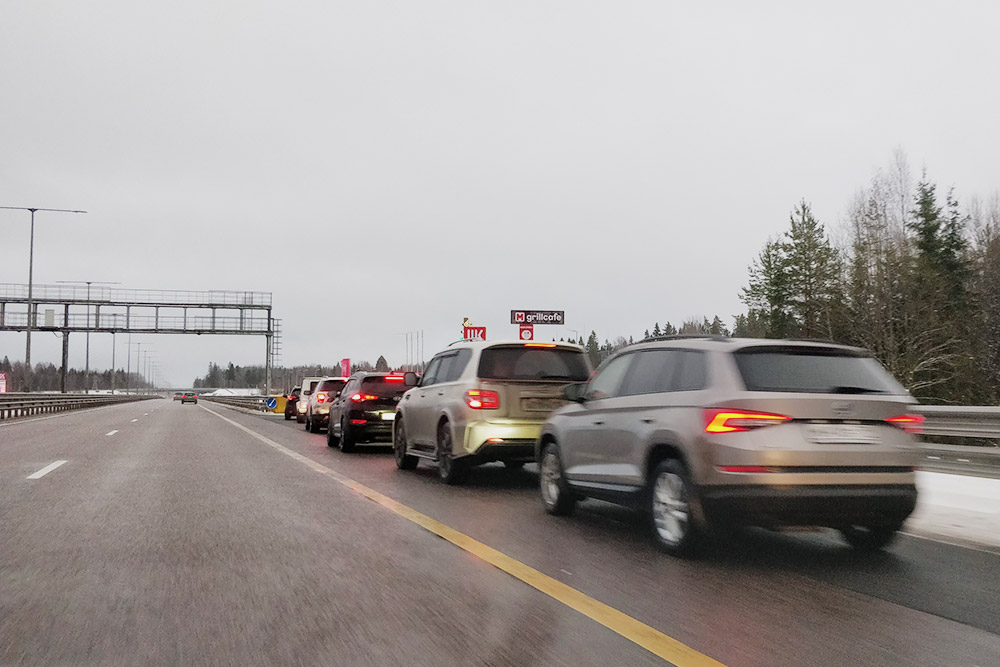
538, 317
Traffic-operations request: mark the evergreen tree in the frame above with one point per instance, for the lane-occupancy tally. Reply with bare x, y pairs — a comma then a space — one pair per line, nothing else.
593, 348
381, 365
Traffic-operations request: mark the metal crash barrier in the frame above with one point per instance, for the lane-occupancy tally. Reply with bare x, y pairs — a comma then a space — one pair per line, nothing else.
15, 406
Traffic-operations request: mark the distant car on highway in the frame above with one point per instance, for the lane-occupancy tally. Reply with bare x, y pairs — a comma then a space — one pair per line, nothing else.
479, 402
715, 432
290, 400
318, 404
189, 397
366, 408
307, 385
178, 395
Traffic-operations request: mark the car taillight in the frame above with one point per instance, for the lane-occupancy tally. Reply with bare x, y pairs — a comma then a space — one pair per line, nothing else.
393, 378
540, 345
745, 469
321, 396
359, 398
728, 421
909, 423
482, 399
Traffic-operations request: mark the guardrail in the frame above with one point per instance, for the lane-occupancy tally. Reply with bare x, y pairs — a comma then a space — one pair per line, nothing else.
247, 402
967, 424
15, 406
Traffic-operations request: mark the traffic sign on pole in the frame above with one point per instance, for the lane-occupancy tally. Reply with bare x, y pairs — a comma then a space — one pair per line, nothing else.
474, 333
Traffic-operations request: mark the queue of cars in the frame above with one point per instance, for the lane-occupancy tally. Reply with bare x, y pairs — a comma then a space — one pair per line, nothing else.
700, 432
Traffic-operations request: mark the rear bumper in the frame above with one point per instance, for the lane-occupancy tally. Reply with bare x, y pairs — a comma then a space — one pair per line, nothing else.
832, 506
371, 431
514, 440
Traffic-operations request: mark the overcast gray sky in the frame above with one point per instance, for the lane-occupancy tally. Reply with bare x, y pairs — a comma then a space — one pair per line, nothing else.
622, 161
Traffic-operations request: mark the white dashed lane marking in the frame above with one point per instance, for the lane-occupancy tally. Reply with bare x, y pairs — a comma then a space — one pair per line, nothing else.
46, 470
111, 432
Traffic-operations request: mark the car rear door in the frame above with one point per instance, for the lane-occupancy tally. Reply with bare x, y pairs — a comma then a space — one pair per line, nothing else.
415, 407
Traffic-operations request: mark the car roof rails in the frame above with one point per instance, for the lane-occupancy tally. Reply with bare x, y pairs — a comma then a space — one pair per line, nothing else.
654, 339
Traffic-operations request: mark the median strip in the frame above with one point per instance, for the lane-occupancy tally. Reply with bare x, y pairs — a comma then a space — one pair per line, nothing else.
46, 470
647, 637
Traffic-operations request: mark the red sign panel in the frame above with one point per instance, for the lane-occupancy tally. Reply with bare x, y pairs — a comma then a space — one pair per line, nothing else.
345, 368
527, 332
474, 333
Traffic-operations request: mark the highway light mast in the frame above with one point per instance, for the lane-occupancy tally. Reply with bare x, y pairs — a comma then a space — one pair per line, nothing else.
88, 283
31, 265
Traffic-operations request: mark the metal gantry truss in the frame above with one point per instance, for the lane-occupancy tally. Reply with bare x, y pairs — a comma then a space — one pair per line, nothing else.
68, 309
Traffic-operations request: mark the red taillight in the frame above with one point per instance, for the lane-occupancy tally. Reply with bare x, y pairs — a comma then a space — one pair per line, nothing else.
321, 396
393, 378
728, 421
359, 398
745, 469
482, 399
359, 422
909, 423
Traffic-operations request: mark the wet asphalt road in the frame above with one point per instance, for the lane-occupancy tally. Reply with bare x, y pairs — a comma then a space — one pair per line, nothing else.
182, 539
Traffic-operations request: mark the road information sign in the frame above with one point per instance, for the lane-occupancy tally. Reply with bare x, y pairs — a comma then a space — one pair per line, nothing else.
474, 333
271, 403
538, 317
3, 383
527, 332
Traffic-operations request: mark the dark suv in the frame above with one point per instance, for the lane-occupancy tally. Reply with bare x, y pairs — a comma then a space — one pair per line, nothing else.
290, 402
366, 408
708, 432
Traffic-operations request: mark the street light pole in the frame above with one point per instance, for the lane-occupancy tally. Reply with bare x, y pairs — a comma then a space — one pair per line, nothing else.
88, 283
31, 268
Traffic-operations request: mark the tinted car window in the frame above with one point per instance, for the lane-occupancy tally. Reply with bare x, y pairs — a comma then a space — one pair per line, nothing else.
430, 375
332, 386
378, 386
445, 369
692, 372
813, 370
456, 366
651, 372
609, 378
533, 363
309, 389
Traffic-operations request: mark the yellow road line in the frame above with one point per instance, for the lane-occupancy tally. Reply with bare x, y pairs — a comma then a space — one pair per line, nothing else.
649, 638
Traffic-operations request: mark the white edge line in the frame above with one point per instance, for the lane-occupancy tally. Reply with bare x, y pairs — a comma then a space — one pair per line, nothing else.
46, 470
111, 432
134, 420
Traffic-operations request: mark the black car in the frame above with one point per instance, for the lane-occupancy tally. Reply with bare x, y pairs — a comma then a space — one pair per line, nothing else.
290, 400
366, 409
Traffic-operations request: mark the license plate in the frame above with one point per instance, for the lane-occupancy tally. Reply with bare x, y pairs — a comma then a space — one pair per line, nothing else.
541, 404
842, 434
388, 416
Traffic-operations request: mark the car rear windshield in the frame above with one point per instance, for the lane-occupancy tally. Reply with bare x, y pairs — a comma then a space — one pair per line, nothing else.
533, 363
813, 370
331, 385
378, 386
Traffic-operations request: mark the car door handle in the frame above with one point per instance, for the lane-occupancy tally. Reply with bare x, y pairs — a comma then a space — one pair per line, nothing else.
598, 423
440, 393
647, 421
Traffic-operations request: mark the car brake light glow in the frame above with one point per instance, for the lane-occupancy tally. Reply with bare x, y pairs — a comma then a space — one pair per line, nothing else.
358, 398
393, 378
745, 469
482, 399
540, 345
909, 423
358, 422
728, 421
321, 396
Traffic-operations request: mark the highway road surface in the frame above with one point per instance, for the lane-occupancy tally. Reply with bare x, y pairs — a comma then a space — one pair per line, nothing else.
157, 533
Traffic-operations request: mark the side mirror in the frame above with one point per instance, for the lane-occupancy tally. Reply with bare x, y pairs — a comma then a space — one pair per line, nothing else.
411, 379
575, 392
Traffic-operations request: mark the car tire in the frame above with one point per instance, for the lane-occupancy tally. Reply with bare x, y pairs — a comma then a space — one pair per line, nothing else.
404, 461
669, 506
869, 538
557, 498
452, 471
300, 418
314, 426
288, 416
331, 439
346, 440
305, 422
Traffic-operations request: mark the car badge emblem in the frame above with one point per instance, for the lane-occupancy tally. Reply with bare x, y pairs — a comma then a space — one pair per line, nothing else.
843, 409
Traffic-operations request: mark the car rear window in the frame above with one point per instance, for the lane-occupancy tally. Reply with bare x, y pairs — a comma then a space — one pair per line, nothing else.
534, 363
331, 385
378, 386
813, 370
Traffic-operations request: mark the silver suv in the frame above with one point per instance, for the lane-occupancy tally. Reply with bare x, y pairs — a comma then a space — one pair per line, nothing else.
479, 402
706, 432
